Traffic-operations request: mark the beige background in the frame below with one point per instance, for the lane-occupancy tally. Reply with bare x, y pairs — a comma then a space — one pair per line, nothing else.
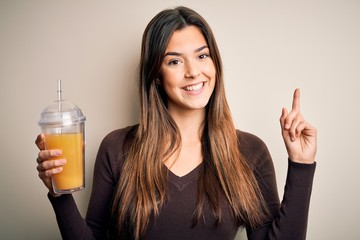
268, 48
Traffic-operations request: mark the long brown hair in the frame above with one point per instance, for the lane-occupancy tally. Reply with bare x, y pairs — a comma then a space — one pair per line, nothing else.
141, 190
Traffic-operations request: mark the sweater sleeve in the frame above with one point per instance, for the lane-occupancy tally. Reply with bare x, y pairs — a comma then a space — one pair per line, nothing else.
70, 222
106, 174
288, 219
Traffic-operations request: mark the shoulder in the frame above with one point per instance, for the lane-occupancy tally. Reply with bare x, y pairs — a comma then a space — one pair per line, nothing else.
248, 138
249, 142
114, 143
117, 138
253, 148
112, 151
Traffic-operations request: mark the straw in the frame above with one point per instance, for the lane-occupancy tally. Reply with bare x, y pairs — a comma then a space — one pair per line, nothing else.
59, 95
59, 100
59, 91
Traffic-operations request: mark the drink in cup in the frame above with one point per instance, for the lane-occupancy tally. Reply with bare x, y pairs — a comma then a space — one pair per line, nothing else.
63, 125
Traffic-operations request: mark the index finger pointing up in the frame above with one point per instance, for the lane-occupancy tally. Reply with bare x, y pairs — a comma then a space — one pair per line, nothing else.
296, 100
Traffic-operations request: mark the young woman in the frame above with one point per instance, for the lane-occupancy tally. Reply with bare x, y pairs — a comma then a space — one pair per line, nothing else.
185, 172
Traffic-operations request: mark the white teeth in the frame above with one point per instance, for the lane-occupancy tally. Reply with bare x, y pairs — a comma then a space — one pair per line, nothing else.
194, 87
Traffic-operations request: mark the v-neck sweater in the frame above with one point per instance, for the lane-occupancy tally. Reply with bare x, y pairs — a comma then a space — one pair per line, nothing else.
287, 220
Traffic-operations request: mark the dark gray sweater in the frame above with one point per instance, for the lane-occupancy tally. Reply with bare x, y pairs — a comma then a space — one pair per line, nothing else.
287, 220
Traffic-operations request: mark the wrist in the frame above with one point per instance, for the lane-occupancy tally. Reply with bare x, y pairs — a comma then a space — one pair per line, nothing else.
53, 194
301, 161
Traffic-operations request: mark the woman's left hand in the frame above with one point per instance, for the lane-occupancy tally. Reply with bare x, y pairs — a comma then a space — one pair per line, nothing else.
299, 136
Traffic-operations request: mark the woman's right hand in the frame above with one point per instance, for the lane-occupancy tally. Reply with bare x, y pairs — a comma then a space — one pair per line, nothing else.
46, 166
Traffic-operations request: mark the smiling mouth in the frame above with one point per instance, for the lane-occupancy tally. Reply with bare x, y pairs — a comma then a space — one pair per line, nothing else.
194, 87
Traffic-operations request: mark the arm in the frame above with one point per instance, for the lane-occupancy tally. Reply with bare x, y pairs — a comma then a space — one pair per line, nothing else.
71, 224
290, 220
106, 174
287, 220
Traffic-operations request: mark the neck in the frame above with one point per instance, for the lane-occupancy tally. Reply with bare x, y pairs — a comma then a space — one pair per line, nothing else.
190, 124
189, 155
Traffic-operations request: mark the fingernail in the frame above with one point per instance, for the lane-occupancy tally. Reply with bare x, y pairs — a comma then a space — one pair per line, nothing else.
287, 126
292, 139
58, 152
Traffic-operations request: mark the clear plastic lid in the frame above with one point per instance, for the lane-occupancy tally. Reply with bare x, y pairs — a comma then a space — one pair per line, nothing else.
61, 112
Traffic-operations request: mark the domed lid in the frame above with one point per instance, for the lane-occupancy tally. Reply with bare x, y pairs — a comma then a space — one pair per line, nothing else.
61, 112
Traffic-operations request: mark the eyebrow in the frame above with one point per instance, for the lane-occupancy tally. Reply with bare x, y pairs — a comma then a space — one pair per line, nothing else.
179, 54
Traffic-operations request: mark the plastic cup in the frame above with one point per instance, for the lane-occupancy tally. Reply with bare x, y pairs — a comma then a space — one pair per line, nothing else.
63, 125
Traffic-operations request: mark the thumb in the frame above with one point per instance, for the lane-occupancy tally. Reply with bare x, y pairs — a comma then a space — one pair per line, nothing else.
283, 116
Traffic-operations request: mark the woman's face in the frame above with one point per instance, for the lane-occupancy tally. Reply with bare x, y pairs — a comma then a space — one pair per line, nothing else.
188, 73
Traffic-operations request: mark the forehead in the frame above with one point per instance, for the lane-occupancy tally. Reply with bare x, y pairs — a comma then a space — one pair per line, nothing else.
188, 38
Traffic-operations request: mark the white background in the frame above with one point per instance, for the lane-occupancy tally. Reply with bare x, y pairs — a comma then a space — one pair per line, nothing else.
268, 48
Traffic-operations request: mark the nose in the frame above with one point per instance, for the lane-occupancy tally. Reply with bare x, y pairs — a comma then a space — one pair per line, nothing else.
192, 69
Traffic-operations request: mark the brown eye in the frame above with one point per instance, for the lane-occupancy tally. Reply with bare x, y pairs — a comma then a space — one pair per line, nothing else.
174, 62
203, 56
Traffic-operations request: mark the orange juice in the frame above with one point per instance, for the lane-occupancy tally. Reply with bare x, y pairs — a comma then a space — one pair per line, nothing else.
72, 146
